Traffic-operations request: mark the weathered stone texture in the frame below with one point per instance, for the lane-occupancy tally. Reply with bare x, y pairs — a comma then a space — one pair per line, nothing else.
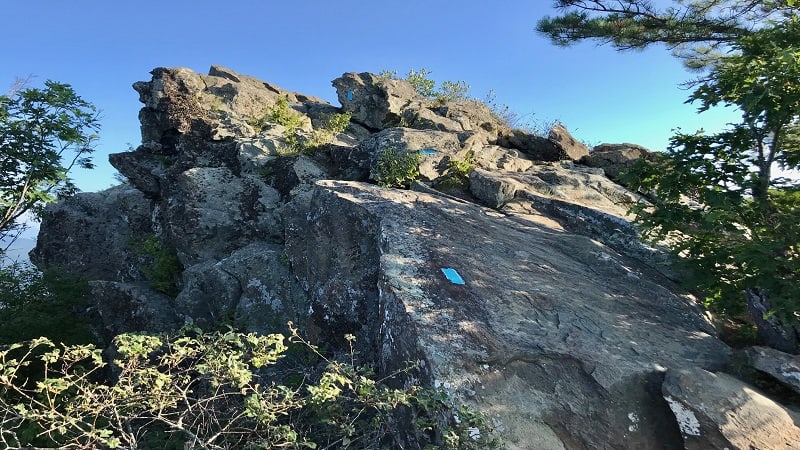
566, 323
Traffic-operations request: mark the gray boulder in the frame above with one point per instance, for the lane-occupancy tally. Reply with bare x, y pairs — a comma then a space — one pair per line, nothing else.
717, 411
91, 235
253, 288
558, 146
132, 307
375, 102
495, 158
494, 191
540, 336
535, 147
781, 366
211, 212
573, 149
143, 170
614, 159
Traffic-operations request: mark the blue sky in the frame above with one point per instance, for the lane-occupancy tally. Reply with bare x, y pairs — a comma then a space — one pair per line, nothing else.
101, 48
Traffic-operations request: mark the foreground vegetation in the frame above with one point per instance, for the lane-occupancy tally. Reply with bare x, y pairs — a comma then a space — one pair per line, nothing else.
217, 390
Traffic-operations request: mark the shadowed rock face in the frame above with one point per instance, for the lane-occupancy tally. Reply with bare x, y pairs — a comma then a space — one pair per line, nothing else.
562, 330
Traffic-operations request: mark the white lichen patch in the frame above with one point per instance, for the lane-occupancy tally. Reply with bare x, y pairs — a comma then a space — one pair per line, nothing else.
793, 374
474, 433
634, 426
791, 371
264, 295
687, 421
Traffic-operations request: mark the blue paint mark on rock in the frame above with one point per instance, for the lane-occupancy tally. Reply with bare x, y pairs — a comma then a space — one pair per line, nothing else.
452, 275
349, 96
427, 151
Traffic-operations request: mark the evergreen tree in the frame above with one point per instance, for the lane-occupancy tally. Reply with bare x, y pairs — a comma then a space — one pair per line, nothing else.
715, 200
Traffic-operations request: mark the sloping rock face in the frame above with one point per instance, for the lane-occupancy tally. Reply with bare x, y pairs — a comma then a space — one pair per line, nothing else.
562, 329
549, 333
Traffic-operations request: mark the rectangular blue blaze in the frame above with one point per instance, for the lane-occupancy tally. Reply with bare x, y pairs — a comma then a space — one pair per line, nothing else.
349, 96
452, 275
427, 151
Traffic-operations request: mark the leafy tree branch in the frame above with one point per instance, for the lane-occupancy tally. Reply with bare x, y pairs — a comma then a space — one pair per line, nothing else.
44, 133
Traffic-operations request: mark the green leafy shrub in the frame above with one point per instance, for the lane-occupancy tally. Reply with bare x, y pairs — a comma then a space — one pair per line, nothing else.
419, 79
160, 264
396, 168
448, 91
452, 91
337, 123
321, 137
280, 113
387, 74
457, 177
462, 168
35, 304
210, 390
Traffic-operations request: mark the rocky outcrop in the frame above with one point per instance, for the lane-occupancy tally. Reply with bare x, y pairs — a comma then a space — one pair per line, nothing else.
570, 147
781, 366
562, 329
614, 159
715, 410
133, 306
93, 234
542, 336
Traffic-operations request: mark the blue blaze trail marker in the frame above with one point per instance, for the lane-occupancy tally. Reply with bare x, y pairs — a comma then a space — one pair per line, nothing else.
427, 151
349, 96
452, 275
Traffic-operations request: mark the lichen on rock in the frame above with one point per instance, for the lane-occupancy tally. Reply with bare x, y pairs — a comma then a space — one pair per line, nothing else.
563, 328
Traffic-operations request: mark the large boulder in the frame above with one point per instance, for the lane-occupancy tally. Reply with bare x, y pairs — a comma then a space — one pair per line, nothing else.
573, 149
436, 149
781, 366
542, 335
615, 159
211, 212
493, 191
375, 102
92, 235
559, 145
535, 147
253, 288
717, 411
132, 307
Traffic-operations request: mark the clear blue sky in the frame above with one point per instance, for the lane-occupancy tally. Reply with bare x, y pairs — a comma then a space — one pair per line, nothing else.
102, 47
